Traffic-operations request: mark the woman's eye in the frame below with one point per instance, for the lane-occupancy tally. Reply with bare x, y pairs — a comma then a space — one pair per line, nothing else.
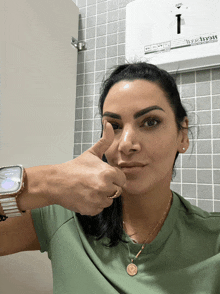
115, 126
151, 122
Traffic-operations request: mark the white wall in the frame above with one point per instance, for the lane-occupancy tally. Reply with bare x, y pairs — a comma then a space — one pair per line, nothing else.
37, 96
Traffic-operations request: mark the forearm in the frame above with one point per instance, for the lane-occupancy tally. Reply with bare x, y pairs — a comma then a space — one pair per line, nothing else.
36, 191
83, 184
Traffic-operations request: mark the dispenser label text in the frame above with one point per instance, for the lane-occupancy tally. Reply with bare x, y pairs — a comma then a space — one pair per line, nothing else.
181, 43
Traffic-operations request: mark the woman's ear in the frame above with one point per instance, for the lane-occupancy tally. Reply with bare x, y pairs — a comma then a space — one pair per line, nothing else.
183, 136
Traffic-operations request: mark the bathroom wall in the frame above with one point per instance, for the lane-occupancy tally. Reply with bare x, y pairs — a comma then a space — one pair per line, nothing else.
102, 26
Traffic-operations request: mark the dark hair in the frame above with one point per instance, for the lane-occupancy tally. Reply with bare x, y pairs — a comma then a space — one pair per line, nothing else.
109, 223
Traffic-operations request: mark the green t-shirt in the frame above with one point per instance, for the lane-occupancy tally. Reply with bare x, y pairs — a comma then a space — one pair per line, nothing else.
184, 258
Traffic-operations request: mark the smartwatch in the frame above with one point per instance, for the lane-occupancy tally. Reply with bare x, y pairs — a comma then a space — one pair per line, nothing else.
11, 185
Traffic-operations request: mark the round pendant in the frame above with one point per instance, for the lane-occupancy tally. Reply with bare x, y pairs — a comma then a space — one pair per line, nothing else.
132, 269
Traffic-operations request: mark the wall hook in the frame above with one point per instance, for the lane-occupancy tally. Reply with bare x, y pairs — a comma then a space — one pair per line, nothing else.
80, 45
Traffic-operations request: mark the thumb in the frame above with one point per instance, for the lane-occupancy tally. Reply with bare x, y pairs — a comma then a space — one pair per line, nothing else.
105, 142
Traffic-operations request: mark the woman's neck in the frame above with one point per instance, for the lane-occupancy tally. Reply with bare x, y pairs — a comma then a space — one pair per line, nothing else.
143, 213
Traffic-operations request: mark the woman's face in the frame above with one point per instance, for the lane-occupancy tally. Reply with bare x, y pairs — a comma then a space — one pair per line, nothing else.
146, 138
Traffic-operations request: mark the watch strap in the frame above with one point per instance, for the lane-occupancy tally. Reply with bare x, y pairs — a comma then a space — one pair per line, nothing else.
10, 207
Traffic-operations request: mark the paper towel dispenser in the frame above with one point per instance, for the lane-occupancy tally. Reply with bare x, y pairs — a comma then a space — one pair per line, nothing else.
177, 36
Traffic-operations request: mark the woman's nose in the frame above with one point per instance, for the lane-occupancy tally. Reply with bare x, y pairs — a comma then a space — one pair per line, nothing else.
129, 142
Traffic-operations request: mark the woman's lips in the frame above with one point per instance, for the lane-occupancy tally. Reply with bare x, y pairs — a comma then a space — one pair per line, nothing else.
132, 169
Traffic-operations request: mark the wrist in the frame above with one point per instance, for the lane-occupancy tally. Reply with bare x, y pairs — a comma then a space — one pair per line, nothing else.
36, 192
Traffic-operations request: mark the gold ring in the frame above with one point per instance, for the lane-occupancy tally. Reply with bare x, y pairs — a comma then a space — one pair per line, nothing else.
115, 195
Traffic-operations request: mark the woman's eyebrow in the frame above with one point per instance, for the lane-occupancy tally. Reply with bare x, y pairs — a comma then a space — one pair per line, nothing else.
136, 115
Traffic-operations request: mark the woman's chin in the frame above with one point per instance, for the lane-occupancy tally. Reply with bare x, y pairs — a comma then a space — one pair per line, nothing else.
129, 189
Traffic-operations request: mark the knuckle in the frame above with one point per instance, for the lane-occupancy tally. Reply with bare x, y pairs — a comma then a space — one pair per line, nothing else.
106, 173
101, 187
121, 176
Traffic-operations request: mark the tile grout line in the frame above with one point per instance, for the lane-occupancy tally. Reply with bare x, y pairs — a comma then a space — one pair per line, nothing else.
196, 135
95, 54
212, 162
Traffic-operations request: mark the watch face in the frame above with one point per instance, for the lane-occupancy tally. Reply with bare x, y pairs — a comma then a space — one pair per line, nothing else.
10, 179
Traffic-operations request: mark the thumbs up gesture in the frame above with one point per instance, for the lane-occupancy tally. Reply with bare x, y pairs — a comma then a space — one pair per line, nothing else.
85, 183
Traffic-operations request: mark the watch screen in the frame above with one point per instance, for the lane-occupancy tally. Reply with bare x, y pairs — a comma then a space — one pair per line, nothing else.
9, 185
10, 179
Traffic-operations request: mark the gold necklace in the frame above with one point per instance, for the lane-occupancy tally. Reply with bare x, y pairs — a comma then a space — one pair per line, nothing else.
132, 269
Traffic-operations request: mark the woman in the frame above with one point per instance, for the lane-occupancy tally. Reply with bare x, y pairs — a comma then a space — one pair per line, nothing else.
150, 239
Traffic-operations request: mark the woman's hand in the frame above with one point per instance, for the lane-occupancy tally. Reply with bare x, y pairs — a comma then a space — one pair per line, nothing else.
84, 184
